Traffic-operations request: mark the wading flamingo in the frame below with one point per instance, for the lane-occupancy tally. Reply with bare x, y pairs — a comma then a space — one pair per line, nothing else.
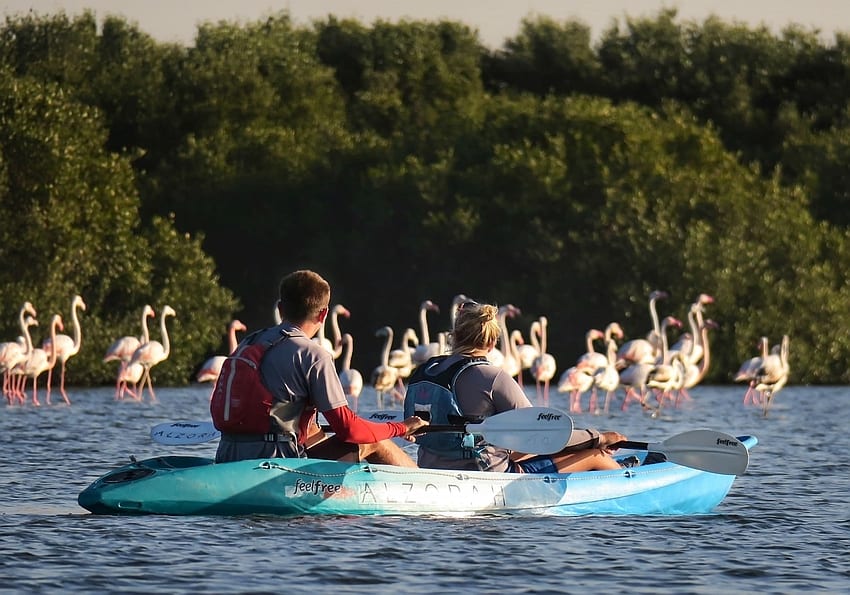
152, 353
643, 350
14, 352
122, 350
39, 361
351, 379
543, 367
66, 347
425, 349
772, 376
212, 367
384, 377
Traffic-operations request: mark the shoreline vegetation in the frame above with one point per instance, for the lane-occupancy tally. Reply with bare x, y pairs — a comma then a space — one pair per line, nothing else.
407, 161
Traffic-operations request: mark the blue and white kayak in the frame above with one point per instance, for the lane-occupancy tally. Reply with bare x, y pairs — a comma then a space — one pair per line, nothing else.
185, 485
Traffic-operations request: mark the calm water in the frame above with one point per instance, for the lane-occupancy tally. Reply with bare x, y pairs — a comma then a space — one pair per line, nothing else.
784, 528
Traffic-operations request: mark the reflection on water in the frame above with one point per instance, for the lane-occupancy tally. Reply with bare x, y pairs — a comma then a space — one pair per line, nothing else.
784, 528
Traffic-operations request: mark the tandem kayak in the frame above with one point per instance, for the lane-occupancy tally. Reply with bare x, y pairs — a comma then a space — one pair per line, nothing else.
187, 485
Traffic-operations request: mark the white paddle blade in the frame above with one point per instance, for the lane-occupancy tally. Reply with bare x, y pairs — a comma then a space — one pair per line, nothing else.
532, 430
184, 432
708, 450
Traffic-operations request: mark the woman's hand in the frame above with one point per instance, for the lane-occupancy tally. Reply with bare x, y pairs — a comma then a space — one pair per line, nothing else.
606, 439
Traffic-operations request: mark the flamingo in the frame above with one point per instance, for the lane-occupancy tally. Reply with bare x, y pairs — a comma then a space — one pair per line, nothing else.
212, 367
643, 350
425, 349
772, 376
696, 371
351, 379
152, 353
384, 377
747, 371
122, 350
607, 377
14, 352
17, 379
333, 347
511, 363
40, 360
693, 349
575, 380
66, 347
496, 356
527, 351
130, 374
456, 302
543, 367
402, 357
669, 374
591, 358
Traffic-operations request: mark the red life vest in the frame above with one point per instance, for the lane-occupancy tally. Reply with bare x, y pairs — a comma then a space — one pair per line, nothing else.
240, 402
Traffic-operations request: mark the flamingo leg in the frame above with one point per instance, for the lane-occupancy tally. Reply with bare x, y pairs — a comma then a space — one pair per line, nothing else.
62, 385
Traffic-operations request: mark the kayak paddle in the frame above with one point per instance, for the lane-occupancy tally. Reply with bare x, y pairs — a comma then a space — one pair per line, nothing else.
705, 450
538, 430
184, 432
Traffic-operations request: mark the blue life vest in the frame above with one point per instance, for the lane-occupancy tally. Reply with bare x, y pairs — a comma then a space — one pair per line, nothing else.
431, 396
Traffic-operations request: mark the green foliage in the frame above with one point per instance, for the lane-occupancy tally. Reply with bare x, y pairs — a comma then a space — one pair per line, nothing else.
404, 161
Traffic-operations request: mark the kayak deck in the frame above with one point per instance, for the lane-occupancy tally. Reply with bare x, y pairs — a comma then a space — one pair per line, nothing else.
185, 485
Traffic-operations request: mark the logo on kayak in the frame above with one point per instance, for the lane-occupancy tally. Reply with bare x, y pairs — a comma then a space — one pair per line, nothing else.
727, 442
382, 416
316, 487
548, 416
181, 424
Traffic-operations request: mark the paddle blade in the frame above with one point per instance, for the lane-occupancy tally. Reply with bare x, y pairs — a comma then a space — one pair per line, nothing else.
533, 430
705, 450
184, 432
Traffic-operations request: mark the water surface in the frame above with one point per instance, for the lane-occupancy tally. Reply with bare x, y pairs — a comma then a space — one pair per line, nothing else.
784, 528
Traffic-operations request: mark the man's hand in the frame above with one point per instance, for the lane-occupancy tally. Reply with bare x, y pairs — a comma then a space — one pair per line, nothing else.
413, 424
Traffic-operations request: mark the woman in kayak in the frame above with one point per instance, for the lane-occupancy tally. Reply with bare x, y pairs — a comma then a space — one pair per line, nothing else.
464, 386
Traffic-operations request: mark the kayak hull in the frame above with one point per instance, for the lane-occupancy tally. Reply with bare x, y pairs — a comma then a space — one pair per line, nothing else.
181, 485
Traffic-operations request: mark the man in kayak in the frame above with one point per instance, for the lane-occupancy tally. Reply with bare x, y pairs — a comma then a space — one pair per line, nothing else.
464, 386
272, 412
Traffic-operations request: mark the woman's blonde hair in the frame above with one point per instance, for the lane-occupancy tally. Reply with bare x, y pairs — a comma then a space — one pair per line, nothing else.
476, 327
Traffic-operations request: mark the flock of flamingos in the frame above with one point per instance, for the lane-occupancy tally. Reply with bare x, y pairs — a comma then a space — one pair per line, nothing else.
650, 371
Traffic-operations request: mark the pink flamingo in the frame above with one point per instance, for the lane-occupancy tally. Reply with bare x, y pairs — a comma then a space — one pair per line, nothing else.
747, 371
212, 367
527, 351
152, 353
576, 381
122, 350
333, 347
425, 349
669, 374
772, 376
385, 376
401, 358
695, 372
351, 379
14, 352
607, 378
544, 366
496, 356
17, 380
39, 361
66, 347
643, 350
591, 358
